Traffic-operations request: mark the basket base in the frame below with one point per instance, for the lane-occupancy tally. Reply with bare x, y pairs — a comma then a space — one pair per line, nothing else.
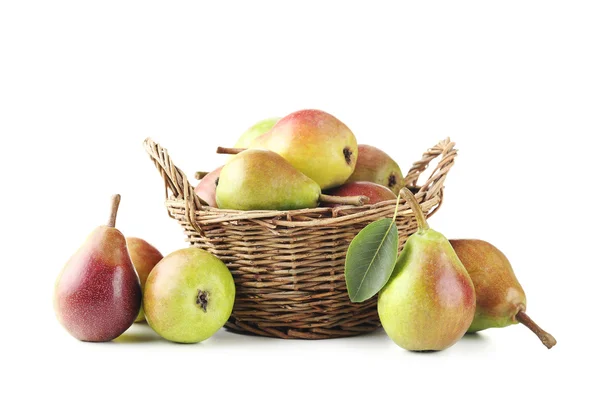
242, 328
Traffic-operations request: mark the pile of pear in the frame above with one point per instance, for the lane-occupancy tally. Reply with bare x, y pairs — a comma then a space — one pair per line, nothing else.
306, 159
111, 282
441, 289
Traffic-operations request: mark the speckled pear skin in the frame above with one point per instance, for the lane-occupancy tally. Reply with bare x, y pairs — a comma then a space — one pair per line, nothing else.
144, 257
263, 180
429, 301
189, 296
98, 295
499, 294
316, 143
375, 165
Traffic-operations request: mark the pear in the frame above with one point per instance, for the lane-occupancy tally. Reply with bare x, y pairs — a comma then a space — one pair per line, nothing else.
374, 165
97, 295
207, 187
500, 298
189, 296
429, 301
255, 131
258, 179
144, 257
314, 142
376, 193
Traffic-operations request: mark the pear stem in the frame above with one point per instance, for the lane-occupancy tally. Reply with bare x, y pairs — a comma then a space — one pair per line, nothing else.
546, 338
350, 200
416, 208
200, 174
229, 150
396, 208
115, 200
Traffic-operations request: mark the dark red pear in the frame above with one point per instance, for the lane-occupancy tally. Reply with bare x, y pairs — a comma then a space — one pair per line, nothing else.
97, 295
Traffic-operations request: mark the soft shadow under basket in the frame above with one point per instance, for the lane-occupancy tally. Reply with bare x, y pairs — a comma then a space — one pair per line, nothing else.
288, 266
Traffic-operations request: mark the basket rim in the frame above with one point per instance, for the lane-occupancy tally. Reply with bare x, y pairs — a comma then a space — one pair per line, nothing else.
306, 217
179, 191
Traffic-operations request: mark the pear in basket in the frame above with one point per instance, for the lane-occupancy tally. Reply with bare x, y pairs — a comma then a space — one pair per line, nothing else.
376, 193
263, 180
315, 143
255, 131
207, 186
500, 297
374, 165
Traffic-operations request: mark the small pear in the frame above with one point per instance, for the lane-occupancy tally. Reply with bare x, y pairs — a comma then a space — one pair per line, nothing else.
314, 142
256, 130
376, 193
207, 187
429, 301
97, 295
189, 296
144, 257
374, 165
263, 180
500, 298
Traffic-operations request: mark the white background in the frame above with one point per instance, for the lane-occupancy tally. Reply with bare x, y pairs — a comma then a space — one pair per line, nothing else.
516, 84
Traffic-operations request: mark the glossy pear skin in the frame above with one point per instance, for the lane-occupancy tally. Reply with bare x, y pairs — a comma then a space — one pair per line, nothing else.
207, 187
316, 143
499, 294
376, 193
429, 301
263, 180
256, 130
98, 295
374, 165
189, 296
144, 257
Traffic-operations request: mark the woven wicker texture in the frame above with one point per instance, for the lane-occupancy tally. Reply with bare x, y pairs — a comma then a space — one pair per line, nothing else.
288, 266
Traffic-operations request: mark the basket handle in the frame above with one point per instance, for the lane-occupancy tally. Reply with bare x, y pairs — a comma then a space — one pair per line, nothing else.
435, 184
175, 181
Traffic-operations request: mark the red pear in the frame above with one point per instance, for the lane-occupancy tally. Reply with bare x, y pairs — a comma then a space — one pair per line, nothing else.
376, 193
98, 295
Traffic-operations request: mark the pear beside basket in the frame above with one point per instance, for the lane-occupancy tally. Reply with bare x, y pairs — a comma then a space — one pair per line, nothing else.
288, 266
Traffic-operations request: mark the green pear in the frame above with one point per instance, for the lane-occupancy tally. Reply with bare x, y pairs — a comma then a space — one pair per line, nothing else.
263, 180
314, 142
189, 296
429, 301
374, 165
500, 297
255, 131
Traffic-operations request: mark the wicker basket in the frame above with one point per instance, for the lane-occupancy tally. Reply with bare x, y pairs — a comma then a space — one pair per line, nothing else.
288, 266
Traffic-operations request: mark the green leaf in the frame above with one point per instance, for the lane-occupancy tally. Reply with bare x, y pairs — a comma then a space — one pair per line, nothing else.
370, 259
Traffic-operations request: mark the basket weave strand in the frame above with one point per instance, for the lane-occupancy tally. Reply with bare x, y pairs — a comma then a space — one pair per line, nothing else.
288, 266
